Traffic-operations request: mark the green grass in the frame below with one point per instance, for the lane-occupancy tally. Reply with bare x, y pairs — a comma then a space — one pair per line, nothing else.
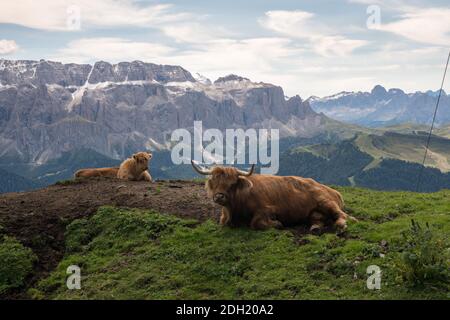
16, 263
135, 254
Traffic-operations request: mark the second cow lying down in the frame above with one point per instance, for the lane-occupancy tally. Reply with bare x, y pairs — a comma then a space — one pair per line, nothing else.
264, 201
134, 168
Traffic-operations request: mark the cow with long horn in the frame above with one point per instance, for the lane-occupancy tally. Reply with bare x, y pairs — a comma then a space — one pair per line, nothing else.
264, 201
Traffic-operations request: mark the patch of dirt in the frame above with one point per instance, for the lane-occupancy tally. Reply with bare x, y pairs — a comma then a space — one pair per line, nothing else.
39, 218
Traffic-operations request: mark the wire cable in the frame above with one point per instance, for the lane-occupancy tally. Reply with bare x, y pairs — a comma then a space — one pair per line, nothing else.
432, 126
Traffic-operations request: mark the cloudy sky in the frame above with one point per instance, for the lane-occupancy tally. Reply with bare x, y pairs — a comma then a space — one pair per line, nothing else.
308, 47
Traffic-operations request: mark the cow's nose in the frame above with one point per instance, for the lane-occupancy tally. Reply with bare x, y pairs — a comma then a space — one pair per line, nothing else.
219, 197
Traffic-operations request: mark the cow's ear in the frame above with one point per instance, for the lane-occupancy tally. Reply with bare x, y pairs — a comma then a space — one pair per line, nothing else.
244, 183
134, 156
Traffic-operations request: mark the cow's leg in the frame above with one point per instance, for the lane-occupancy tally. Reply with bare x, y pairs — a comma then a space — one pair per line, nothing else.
225, 217
317, 222
145, 176
337, 213
262, 222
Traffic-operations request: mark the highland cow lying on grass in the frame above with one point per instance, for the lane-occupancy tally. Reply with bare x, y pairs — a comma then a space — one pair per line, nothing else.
264, 201
134, 168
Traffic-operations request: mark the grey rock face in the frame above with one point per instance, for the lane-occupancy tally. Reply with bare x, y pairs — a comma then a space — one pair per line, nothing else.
47, 108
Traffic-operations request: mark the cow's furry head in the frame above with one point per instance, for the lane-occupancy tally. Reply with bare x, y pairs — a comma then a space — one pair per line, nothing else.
141, 159
224, 182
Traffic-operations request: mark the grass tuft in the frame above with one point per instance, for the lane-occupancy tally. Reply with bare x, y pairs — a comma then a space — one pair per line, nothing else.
16, 263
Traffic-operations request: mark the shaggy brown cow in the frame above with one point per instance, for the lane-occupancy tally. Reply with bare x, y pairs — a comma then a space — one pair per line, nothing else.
264, 201
135, 168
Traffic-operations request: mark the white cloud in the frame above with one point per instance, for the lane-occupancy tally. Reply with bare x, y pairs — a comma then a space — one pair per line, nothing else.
193, 32
431, 26
295, 54
336, 45
249, 57
295, 24
58, 15
111, 49
415, 20
302, 25
8, 47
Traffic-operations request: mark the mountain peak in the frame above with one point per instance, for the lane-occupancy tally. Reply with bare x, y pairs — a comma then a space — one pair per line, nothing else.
378, 90
432, 93
396, 91
230, 77
202, 79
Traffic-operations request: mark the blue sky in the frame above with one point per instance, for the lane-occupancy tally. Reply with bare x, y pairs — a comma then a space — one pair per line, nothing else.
307, 47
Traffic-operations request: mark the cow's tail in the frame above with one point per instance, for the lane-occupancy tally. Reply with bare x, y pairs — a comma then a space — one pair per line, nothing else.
342, 200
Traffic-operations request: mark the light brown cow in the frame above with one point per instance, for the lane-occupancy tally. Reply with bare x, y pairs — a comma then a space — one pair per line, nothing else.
136, 167
264, 201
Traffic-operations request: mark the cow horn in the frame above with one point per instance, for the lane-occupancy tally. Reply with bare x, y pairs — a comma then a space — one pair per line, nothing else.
199, 169
245, 173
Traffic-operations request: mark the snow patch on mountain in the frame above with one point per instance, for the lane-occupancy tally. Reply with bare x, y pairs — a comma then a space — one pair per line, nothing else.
202, 79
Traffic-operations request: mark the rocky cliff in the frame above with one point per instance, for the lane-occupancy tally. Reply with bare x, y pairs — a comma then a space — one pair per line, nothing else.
47, 108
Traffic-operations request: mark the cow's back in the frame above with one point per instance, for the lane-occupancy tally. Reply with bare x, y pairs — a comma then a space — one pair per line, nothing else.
292, 199
97, 172
286, 197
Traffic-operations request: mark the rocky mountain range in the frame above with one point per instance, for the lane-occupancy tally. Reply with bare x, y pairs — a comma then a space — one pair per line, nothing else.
382, 107
56, 118
48, 108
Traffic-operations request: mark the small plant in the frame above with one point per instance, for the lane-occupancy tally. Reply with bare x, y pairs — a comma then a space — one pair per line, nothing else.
425, 257
199, 180
67, 182
16, 263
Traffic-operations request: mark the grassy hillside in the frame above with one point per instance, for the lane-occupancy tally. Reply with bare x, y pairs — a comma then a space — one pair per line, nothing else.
409, 128
407, 147
327, 163
143, 254
389, 174
344, 130
386, 162
443, 131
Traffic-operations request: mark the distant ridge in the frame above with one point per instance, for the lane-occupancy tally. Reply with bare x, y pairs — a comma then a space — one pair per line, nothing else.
382, 107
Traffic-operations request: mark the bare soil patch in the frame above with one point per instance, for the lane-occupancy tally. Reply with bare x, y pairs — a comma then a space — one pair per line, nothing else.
39, 218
